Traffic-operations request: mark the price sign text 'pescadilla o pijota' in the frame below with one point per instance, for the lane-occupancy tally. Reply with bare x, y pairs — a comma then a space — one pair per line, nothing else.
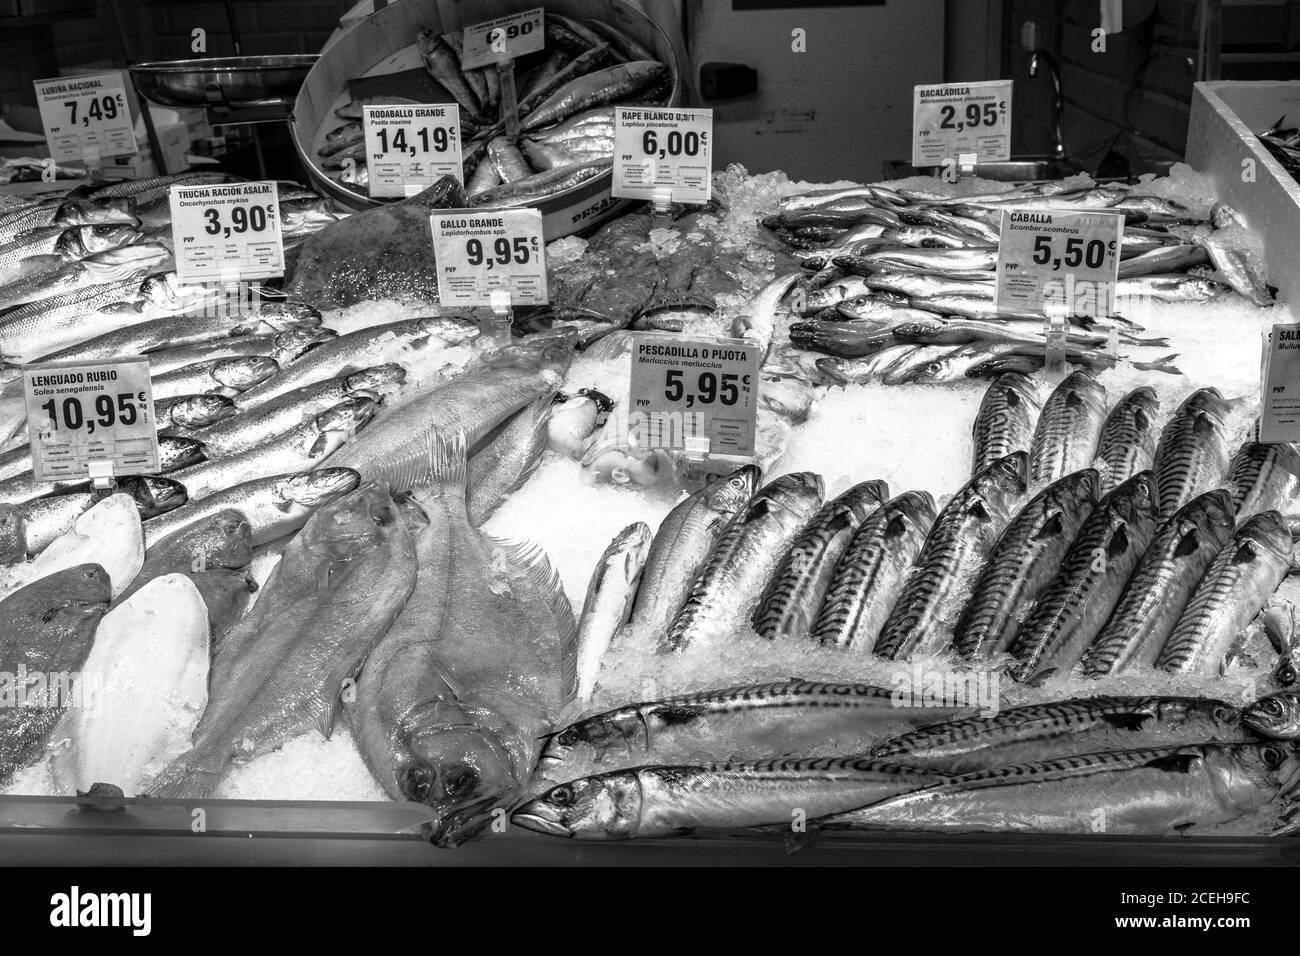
685, 390
411, 146
1058, 258
951, 119
226, 232
663, 150
83, 113
505, 38
479, 252
82, 412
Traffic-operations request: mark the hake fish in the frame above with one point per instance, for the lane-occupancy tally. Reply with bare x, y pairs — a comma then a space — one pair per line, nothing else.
1068, 428
794, 593
1021, 735
608, 604
280, 672
507, 457
871, 573
1005, 420
1024, 559
1075, 604
1192, 455
452, 700
662, 801
1161, 585
966, 529
743, 558
1242, 577
1146, 791
681, 546
1128, 438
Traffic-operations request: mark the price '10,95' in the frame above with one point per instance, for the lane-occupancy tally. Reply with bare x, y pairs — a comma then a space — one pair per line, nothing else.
71, 414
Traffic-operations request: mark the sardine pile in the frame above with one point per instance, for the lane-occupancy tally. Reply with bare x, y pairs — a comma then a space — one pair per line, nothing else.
566, 96
899, 284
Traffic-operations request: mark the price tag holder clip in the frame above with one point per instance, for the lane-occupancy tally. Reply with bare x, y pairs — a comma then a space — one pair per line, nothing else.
661, 209
503, 314
94, 162
101, 475
1055, 331
966, 164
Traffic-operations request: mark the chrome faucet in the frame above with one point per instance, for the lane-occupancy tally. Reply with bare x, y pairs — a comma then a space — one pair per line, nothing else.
1058, 103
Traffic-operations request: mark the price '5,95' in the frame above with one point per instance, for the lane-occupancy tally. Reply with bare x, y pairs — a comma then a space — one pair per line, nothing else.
72, 415
503, 252
709, 388
242, 219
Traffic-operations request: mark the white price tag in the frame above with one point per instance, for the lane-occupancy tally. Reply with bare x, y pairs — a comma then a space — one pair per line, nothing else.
1058, 258
411, 146
1279, 417
694, 395
86, 113
949, 119
493, 250
81, 413
226, 233
663, 149
505, 38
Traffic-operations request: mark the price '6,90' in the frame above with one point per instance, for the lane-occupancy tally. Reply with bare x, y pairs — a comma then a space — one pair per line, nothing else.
242, 219
72, 415
709, 388
1077, 252
503, 252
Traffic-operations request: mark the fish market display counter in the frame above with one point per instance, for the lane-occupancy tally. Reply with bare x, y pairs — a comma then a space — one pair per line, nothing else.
398, 582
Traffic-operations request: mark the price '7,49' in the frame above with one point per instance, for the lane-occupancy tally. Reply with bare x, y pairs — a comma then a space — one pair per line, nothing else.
72, 415
98, 108
503, 252
709, 388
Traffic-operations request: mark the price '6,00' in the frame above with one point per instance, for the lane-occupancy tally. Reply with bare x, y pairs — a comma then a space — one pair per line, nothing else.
676, 143
242, 219
503, 252
709, 388
71, 414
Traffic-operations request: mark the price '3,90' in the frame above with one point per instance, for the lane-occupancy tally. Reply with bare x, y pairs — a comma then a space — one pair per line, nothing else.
71, 414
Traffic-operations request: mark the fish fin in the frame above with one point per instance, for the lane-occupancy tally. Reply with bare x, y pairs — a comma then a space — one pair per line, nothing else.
1164, 364
182, 780
1179, 762
1130, 721
980, 511
1051, 528
1039, 678
610, 347
896, 528
441, 464
1245, 553
328, 707
1118, 543
532, 561
794, 842
318, 446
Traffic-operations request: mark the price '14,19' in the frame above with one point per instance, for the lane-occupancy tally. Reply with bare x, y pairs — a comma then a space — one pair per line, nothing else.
100, 108
242, 219
709, 388
503, 252
397, 143
676, 143
72, 415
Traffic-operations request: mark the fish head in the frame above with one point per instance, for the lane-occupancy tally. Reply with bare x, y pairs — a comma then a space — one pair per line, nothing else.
380, 380
834, 369
1251, 775
632, 545
1005, 479
243, 372
461, 771
178, 451
604, 807
1276, 716
918, 507
796, 493
1077, 489
89, 240
1135, 497
621, 731
198, 411
866, 496
75, 593
152, 494
293, 342
355, 524
1213, 514
1266, 531
450, 330
1211, 719
727, 495
316, 488
342, 421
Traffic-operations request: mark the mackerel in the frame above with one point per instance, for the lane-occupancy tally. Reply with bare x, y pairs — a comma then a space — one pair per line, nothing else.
1005, 420
1068, 428
1264, 477
1192, 455
1128, 439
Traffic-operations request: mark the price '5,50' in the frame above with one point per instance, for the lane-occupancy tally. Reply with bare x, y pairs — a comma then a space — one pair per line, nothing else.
709, 388
503, 252
1092, 253
71, 414
242, 219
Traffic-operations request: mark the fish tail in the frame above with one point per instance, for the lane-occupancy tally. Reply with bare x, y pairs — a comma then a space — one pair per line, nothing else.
440, 465
1164, 364
184, 780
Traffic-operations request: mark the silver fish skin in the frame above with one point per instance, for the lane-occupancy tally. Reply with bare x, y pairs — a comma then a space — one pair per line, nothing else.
244, 429
38, 329
744, 557
68, 213
1128, 438
1161, 585
747, 722
1076, 603
452, 701
229, 376
1235, 266
1242, 577
174, 452
1139, 792
531, 189
859, 371
1068, 428
1005, 420
843, 339
1021, 735
507, 458
1168, 288
1029, 552
681, 546
473, 404
187, 412
1276, 716
42, 248
279, 672
1162, 260
282, 347
506, 159
1192, 454
1264, 477
648, 802
930, 284
923, 618
794, 593
47, 627
112, 265
969, 259
872, 306
608, 604
871, 573
273, 507
298, 449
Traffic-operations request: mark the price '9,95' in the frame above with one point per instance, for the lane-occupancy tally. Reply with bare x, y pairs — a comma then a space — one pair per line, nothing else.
504, 251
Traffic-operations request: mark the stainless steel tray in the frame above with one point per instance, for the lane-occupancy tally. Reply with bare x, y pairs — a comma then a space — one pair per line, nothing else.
236, 82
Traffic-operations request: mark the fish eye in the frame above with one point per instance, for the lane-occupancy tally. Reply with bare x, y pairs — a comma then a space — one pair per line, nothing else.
933, 368
1274, 756
567, 737
1224, 715
562, 796
460, 780
417, 783
1272, 706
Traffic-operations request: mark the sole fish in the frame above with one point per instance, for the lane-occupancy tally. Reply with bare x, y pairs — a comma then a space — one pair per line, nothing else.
107, 534
966, 529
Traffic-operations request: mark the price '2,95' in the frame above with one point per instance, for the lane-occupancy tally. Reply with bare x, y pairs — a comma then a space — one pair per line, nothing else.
242, 219
72, 415
503, 252
709, 388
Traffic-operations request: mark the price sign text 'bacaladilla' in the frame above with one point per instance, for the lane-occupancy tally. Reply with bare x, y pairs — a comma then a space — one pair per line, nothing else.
226, 232
83, 412
480, 252
658, 151
952, 119
86, 114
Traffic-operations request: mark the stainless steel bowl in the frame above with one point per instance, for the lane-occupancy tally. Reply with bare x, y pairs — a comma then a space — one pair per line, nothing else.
233, 82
